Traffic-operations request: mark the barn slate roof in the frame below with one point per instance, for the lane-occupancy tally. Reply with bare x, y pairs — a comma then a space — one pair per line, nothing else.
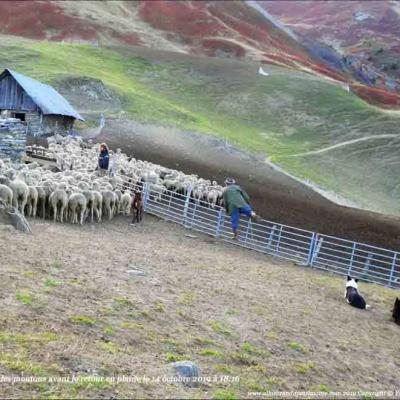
44, 96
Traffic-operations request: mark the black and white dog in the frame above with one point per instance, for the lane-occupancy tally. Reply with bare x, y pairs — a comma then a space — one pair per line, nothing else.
396, 311
352, 295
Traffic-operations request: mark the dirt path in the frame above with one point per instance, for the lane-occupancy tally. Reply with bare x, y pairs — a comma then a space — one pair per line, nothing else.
275, 195
74, 302
346, 143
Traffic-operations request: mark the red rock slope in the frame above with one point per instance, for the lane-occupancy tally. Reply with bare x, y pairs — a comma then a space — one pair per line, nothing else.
213, 28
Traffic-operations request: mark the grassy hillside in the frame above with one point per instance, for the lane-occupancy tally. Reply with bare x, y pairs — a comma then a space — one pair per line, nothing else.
279, 116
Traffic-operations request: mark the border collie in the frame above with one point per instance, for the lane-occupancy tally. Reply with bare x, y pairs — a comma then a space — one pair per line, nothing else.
352, 296
396, 311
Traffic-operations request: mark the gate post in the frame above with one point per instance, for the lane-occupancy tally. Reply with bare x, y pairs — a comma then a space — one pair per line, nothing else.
247, 230
392, 270
352, 258
311, 249
220, 221
146, 195
279, 239
169, 201
317, 248
271, 237
193, 214
365, 271
186, 207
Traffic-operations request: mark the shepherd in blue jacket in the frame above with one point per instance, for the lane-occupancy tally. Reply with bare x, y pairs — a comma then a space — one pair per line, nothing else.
104, 157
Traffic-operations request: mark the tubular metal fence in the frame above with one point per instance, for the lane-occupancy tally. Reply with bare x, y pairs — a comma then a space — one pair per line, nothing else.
305, 248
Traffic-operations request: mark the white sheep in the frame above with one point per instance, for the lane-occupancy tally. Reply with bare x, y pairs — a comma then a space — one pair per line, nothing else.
90, 199
20, 193
125, 204
77, 207
212, 196
98, 204
170, 184
58, 201
103, 194
83, 185
6, 194
109, 203
42, 200
156, 191
198, 193
32, 201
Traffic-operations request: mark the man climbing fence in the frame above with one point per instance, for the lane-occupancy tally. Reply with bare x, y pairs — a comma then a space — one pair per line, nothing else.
236, 202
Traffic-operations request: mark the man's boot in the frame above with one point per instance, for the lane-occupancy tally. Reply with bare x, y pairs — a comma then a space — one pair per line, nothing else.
255, 217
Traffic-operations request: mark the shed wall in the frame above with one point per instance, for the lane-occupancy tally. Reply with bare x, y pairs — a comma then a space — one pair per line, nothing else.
13, 97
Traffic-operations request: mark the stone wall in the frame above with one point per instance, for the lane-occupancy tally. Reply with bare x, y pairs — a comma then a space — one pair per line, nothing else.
48, 125
34, 124
12, 138
56, 124
14, 134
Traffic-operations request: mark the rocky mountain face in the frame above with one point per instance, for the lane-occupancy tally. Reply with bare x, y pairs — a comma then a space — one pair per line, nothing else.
365, 33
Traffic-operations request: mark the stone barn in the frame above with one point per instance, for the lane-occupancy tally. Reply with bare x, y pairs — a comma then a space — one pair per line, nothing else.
29, 107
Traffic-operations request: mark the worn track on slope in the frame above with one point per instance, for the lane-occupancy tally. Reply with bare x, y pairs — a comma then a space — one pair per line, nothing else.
275, 196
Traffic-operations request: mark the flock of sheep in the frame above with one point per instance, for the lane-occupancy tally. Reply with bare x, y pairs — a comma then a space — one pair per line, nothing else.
76, 191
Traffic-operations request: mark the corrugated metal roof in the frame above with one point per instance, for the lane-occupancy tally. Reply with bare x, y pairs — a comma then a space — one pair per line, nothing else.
44, 96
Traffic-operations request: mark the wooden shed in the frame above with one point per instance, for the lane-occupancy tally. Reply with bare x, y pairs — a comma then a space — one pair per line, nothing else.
44, 111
